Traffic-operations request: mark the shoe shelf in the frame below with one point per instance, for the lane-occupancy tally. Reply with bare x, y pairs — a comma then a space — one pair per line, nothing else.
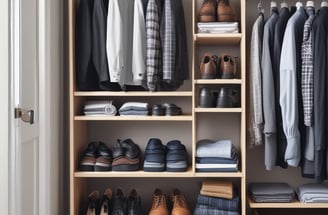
219, 174
137, 93
226, 38
218, 81
294, 204
218, 110
134, 118
135, 174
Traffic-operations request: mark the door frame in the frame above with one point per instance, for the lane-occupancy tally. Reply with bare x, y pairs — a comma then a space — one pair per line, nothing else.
51, 67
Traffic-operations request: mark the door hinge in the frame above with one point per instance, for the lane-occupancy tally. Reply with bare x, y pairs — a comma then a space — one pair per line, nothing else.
24, 115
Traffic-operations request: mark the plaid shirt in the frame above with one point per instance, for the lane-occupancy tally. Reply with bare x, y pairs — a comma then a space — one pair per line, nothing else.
168, 36
307, 72
153, 44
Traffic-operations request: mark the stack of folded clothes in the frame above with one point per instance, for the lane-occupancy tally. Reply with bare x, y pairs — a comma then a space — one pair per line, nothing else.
134, 109
313, 193
217, 27
99, 107
271, 192
216, 156
217, 197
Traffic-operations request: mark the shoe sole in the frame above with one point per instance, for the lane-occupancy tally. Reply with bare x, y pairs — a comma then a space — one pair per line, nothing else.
206, 18
86, 168
125, 167
101, 169
153, 169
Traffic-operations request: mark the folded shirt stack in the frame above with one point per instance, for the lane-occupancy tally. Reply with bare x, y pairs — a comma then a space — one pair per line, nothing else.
271, 192
313, 193
99, 107
134, 109
218, 27
217, 197
216, 156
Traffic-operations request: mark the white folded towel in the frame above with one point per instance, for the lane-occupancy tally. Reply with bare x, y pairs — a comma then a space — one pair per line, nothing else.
99, 107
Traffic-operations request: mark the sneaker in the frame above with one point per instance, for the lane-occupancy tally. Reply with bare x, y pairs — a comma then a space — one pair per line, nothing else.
89, 157
154, 159
176, 157
104, 159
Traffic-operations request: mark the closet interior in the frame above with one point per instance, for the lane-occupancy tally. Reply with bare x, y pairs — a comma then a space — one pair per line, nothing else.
220, 120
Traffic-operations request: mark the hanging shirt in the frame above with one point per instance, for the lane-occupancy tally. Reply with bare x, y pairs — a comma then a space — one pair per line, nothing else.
290, 72
255, 104
268, 91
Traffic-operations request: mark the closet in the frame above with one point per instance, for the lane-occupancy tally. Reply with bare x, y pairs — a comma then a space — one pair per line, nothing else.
194, 124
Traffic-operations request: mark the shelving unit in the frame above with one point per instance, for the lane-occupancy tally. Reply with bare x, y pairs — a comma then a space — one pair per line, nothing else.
218, 44
188, 126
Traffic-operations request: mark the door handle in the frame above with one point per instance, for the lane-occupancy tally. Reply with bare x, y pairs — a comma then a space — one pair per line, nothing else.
25, 115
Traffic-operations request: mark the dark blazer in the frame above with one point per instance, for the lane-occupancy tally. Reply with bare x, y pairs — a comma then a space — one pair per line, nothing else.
320, 91
279, 32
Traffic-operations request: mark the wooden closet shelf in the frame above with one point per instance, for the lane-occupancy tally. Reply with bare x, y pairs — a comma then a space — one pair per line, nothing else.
216, 110
134, 118
218, 81
134, 93
294, 204
220, 174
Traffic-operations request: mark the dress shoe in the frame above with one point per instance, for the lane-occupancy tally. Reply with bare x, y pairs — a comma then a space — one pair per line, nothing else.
179, 202
133, 203
93, 203
119, 203
89, 157
176, 156
207, 98
225, 98
207, 12
105, 205
126, 156
159, 206
225, 12
104, 159
154, 158
209, 66
158, 110
228, 66
172, 109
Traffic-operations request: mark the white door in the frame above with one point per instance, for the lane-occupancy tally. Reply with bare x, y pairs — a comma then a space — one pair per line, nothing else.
25, 63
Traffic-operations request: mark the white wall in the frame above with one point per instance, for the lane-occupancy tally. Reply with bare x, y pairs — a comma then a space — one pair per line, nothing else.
4, 111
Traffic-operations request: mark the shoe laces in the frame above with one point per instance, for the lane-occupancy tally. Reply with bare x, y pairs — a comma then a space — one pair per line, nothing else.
158, 200
178, 200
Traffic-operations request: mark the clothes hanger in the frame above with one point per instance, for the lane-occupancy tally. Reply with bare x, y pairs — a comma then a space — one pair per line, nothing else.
299, 4
324, 4
284, 4
309, 4
273, 4
260, 8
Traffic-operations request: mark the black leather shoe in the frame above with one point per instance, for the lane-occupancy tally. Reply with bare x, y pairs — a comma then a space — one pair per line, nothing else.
104, 159
158, 110
89, 157
132, 150
105, 205
154, 159
126, 156
206, 98
172, 109
119, 203
225, 98
133, 203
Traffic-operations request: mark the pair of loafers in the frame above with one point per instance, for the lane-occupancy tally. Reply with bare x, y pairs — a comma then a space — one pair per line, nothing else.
96, 157
126, 156
226, 97
166, 109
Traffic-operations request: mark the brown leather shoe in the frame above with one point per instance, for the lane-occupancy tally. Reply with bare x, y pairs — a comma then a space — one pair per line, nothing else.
179, 202
228, 66
209, 66
159, 204
225, 12
207, 12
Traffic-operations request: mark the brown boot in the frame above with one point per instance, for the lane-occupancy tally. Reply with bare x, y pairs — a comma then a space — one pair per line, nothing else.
209, 66
207, 12
159, 204
179, 202
225, 12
